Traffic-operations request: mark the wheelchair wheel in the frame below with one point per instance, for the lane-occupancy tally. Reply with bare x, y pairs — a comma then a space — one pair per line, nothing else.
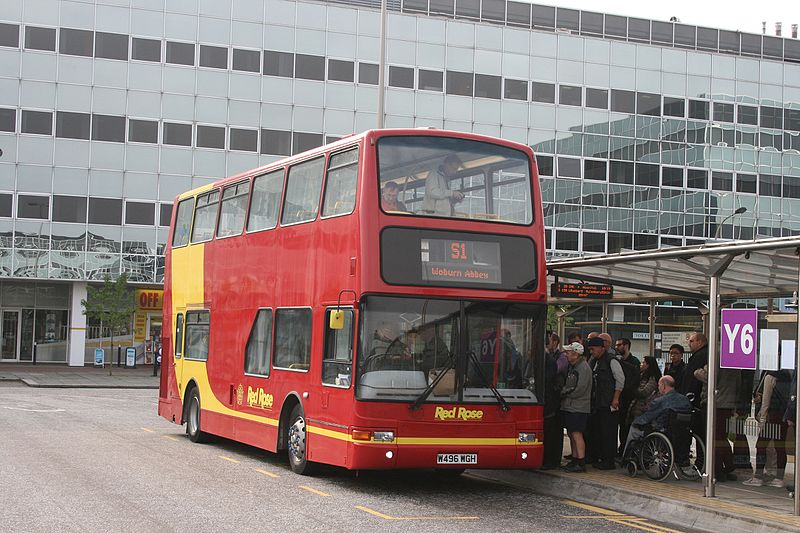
631, 468
691, 468
657, 456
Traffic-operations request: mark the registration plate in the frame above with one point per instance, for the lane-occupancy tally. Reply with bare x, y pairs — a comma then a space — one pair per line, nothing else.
457, 459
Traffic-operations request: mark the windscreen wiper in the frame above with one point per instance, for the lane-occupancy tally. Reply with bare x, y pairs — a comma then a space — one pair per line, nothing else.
499, 397
427, 392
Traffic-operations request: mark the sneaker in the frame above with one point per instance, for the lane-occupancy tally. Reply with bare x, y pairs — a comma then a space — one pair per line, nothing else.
754, 482
776, 483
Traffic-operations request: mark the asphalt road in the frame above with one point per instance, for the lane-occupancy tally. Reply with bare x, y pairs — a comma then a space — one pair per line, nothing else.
102, 460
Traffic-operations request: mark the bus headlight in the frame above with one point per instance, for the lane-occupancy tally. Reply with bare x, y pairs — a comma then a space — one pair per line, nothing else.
383, 436
525, 436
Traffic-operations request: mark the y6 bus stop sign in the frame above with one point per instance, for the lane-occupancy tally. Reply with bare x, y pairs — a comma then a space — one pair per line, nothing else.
739, 334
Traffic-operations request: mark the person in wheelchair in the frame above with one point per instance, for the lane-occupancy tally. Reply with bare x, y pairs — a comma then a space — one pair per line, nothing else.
656, 417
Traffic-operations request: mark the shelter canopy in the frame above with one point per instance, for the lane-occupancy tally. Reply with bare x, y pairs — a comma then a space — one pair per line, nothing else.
746, 269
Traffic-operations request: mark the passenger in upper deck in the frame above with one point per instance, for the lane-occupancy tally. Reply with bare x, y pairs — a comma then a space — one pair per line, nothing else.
439, 199
389, 201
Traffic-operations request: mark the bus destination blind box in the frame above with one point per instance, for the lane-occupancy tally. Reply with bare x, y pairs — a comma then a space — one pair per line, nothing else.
581, 290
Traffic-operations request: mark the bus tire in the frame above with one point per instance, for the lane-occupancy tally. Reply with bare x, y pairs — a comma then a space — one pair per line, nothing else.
193, 418
296, 442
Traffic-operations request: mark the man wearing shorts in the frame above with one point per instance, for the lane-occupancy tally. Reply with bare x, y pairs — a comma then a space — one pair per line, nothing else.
576, 404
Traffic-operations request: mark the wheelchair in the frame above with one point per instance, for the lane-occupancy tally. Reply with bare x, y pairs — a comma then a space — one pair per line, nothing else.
676, 449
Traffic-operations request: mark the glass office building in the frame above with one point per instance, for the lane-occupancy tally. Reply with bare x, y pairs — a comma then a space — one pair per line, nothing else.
648, 133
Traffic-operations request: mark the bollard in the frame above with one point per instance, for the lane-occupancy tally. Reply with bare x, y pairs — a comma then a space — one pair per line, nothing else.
119, 356
34, 353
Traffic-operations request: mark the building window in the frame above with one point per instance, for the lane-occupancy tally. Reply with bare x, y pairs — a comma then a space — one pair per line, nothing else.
6, 203
769, 185
570, 95
594, 169
594, 242
402, 77
597, 98
276, 142
142, 131
545, 164
696, 178
140, 213
648, 104
672, 177
278, 64
211, 137
293, 339
771, 117
244, 140
213, 56
791, 119
460, 83
75, 42
305, 141
38, 122
543, 92
518, 14
205, 216
723, 112
569, 167
111, 46
515, 89
146, 49
623, 101
69, 209
430, 80
368, 73
183, 222
308, 67
30, 206
340, 70
246, 60
72, 125
620, 172
748, 114
40, 38
177, 134
232, 209
674, 107
8, 119
566, 240
9, 35
265, 201
259, 344
698, 109
647, 174
165, 215
721, 181
180, 53
544, 17
105, 211
108, 128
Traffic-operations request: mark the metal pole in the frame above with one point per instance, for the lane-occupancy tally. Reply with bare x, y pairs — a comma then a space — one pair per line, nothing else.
652, 320
382, 66
604, 319
713, 361
797, 408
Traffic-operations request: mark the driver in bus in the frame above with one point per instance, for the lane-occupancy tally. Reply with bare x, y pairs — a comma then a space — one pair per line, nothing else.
439, 199
434, 350
389, 201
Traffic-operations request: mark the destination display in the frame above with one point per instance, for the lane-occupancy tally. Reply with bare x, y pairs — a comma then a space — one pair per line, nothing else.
459, 260
581, 290
441, 258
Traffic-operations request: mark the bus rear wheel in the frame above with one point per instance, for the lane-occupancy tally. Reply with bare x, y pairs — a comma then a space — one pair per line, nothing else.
296, 442
193, 418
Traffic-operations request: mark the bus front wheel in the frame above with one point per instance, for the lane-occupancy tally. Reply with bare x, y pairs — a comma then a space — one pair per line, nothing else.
296, 442
193, 418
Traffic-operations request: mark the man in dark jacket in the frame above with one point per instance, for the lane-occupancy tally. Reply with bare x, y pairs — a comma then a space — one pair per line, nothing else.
676, 365
698, 343
608, 382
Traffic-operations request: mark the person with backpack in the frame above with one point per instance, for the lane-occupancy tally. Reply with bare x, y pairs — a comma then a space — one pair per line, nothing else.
608, 381
772, 398
631, 367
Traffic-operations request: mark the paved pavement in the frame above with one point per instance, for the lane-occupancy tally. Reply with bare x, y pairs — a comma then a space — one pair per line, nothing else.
736, 507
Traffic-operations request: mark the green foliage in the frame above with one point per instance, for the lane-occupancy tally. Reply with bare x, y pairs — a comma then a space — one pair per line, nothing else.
112, 304
552, 317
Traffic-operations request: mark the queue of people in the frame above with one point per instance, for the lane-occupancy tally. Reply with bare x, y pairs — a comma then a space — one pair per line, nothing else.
606, 396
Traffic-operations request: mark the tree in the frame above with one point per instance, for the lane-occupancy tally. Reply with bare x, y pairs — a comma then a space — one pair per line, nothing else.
552, 317
112, 304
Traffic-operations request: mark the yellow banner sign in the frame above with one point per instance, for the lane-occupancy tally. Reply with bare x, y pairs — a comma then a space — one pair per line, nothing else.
149, 299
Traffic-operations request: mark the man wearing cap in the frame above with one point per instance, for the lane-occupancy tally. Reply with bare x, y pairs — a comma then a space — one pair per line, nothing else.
609, 380
576, 404
439, 199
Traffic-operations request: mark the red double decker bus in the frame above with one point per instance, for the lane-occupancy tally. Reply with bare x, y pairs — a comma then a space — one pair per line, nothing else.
375, 303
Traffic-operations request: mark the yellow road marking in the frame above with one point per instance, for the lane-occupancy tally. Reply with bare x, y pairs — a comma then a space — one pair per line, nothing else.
315, 491
270, 474
618, 518
229, 459
170, 437
148, 430
387, 517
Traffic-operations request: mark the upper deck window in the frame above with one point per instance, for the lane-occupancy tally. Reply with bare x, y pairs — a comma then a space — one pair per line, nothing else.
205, 217
447, 177
303, 188
233, 209
183, 223
266, 201
340, 189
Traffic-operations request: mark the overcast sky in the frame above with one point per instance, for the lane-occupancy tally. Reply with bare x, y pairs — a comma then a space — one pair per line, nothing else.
742, 16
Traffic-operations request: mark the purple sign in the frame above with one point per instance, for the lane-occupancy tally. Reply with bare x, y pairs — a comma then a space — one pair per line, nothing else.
739, 330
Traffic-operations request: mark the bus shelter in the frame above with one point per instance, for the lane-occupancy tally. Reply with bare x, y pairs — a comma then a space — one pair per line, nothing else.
705, 274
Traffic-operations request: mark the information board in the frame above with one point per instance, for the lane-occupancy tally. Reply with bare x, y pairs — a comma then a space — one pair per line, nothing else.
581, 290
